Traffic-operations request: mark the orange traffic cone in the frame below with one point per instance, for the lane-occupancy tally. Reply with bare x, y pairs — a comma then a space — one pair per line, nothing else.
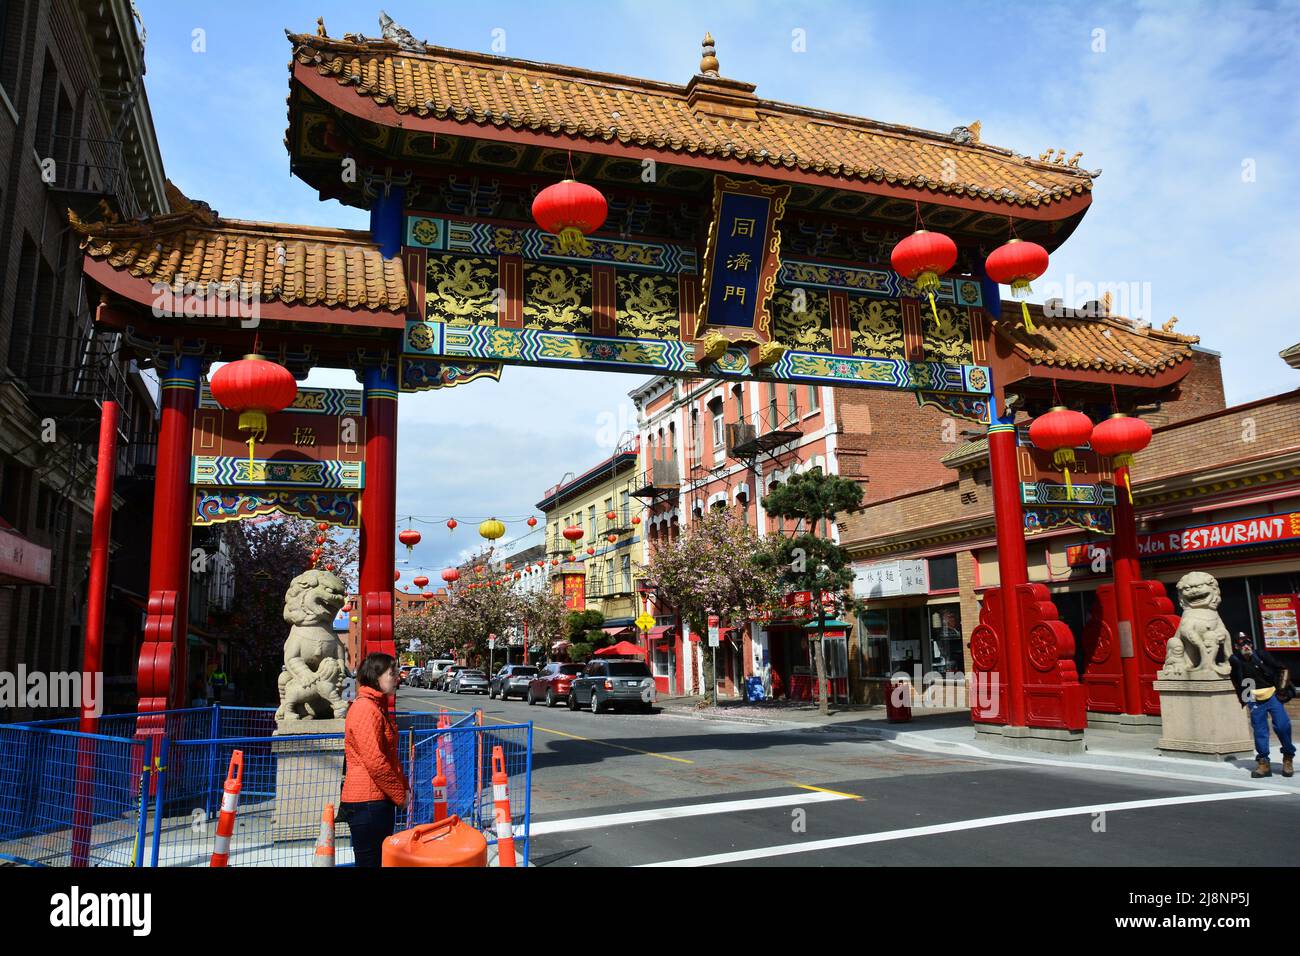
439, 792
325, 842
501, 808
229, 806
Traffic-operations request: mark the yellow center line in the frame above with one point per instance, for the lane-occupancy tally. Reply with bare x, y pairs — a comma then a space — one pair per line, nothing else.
603, 743
838, 793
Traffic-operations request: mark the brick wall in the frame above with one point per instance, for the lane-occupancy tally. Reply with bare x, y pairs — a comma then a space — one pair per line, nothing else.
892, 444
1238, 433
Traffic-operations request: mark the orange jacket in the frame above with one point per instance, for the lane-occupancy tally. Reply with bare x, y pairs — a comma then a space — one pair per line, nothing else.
370, 746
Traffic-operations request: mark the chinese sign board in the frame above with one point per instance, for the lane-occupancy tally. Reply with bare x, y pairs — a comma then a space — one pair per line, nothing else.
743, 256
891, 578
574, 589
21, 561
1265, 529
1280, 621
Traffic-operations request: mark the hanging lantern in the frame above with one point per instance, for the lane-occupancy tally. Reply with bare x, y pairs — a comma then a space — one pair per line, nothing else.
478, 569
921, 258
573, 533
611, 538
591, 550
509, 566
323, 526
451, 524
427, 594
1119, 438
255, 387
532, 522
420, 581
1060, 431
397, 575
329, 567
491, 529
1017, 263
554, 562
320, 539
571, 211
610, 516
410, 537
451, 575
636, 520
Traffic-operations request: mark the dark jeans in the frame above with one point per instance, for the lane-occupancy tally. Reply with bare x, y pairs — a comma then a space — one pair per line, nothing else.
1259, 714
371, 822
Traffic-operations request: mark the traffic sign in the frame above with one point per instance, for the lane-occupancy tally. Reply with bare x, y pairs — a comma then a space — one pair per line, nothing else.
645, 622
714, 631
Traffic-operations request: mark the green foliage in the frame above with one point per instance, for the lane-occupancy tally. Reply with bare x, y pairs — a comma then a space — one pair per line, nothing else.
580, 653
811, 496
584, 627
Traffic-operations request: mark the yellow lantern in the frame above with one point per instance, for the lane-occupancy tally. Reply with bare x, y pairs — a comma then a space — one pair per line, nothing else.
492, 529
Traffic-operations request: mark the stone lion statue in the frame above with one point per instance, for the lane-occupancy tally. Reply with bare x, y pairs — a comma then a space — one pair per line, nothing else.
1193, 653
311, 684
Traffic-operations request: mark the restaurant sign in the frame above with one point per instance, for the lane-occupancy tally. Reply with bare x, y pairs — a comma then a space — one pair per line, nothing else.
879, 579
1265, 529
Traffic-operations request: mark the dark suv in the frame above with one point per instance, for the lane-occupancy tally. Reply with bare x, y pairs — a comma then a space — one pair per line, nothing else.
613, 683
512, 679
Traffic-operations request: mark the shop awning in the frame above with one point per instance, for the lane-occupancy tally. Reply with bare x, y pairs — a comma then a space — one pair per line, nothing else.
619, 630
664, 632
621, 649
832, 625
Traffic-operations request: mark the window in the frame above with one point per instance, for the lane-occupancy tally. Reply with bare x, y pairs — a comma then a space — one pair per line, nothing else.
626, 572
591, 520
696, 440
943, 573
772, 421
814, 399
715, 409
11, 50
739, 391
792, 402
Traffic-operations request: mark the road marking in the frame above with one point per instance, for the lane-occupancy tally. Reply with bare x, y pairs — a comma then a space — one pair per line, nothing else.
603, 743
838, 793
678, 812
814, 845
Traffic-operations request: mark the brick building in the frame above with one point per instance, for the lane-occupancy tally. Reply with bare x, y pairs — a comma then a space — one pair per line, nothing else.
75, 132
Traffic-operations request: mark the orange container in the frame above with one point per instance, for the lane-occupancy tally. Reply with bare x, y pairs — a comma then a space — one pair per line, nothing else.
448, 842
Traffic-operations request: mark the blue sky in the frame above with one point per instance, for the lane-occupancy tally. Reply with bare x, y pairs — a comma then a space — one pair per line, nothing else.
1189, 109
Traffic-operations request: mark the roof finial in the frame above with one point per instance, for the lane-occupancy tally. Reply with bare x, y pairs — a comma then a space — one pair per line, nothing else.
709, 59
320, 27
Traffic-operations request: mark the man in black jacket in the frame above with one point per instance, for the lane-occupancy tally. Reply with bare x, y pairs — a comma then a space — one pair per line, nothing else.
1255, 675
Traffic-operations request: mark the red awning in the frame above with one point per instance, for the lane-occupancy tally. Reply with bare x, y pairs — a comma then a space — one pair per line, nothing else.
621, 649
616, 631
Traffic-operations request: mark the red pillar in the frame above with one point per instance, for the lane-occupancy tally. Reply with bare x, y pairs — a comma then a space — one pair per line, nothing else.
1013, 559
1128, 570
379, 512
161, 675
92, 654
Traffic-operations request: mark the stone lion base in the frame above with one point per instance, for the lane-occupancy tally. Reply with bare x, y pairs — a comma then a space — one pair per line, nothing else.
1125, 723
1203, 719
308, 775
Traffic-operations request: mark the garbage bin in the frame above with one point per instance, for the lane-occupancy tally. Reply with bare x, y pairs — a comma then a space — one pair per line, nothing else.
754, 688
898, 702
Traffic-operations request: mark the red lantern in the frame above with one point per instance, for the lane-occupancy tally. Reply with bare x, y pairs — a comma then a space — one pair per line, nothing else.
571, 211
1017, 263
451, 524
397, 575
532, 522
611, 538
573, 533
478, 569
255, 387
610, 516
410, 538
320, 539
921, 258
554, 561
1060, 431
420, 581
427, 594
509, 566
323, 526
329, 567
1120, 438
451, 575
591, 550
636, 520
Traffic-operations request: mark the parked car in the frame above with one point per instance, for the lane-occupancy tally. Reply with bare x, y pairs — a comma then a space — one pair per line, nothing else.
512, 679
444, 682
434, 672
469, 681
613, 684
552, 683
402, 674
416, 677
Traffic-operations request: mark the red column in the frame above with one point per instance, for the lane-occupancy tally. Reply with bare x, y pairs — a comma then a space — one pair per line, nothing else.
379, 512
1128, 570
161, 675
92, 654
1013, 559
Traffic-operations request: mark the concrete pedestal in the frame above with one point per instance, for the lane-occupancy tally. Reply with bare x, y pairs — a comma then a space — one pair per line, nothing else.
1202, 718
1039, 739
1125, 723
308, 775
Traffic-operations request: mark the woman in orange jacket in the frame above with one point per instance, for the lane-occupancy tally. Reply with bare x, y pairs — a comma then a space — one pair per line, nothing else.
373, 787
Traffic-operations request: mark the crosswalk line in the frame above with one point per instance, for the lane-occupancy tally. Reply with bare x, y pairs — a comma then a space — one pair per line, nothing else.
678, 812
812, 846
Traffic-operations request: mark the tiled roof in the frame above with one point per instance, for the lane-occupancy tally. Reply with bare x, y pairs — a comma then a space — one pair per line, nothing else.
1291, 355
296, 265
971, 452
715, 117
1108, 343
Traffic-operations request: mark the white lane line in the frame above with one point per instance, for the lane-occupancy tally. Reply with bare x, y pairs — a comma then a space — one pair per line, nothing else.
958, 825
677, 812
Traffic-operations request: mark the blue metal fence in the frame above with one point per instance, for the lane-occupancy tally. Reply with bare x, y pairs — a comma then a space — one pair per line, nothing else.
115, 798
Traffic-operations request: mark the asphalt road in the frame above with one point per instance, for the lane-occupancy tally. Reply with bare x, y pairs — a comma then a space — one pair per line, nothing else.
632, 790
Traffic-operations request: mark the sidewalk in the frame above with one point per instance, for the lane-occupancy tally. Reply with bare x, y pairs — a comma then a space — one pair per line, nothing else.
950, 731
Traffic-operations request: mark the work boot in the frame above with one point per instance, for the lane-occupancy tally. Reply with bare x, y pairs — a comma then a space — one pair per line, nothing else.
1287, 769
1262, 768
